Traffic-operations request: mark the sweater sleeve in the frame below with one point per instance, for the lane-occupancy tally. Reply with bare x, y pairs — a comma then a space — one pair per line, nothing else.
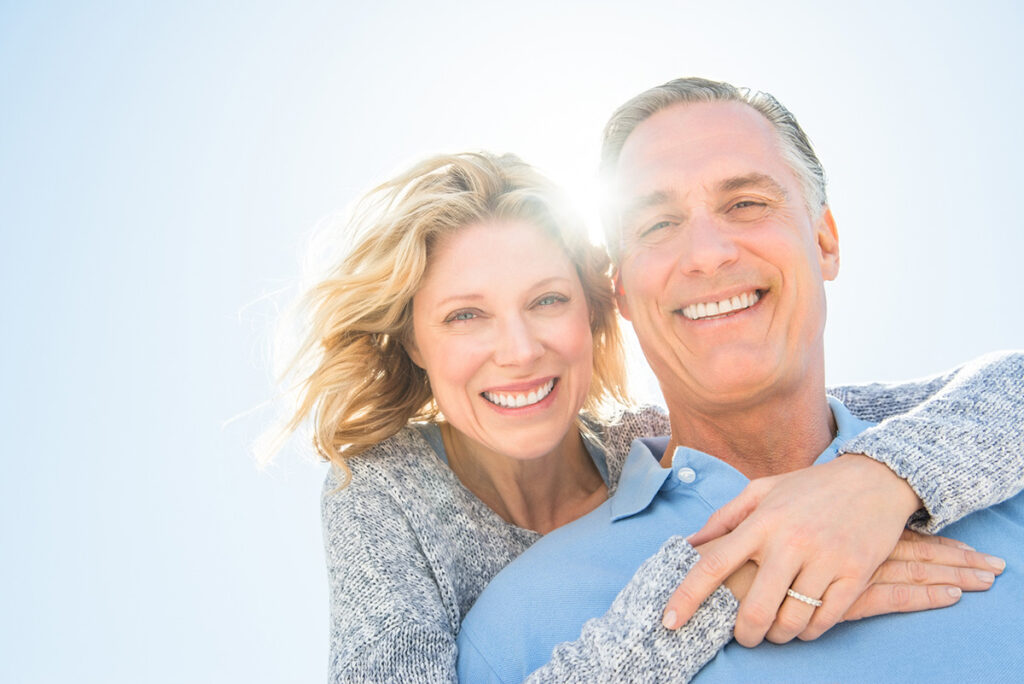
628, 642
956, 438
388, 622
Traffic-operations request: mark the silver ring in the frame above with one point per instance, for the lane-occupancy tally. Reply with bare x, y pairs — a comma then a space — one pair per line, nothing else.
806, 599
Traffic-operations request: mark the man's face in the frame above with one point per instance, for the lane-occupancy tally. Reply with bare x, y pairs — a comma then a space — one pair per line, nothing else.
722, 265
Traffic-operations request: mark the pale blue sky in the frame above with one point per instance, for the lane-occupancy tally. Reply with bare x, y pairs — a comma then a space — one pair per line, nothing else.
161, 167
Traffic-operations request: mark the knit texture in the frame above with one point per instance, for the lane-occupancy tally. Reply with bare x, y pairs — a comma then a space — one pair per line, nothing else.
957, 438
409, 548
628, 643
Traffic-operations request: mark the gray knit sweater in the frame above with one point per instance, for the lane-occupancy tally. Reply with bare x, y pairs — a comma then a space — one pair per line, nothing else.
409, 548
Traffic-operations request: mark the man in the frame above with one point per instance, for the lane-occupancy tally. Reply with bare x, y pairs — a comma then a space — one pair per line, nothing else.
723, 240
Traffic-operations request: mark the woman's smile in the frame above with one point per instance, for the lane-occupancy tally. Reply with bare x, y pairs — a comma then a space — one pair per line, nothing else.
517, 398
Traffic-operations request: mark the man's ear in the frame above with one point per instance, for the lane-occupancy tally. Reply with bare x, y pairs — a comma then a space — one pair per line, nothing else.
620, 295
828, 245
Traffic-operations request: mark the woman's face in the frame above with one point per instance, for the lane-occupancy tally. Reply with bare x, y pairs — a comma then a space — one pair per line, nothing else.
501, 326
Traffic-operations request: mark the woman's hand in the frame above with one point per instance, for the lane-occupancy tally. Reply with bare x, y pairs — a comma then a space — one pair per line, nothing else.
823, 531
922, 573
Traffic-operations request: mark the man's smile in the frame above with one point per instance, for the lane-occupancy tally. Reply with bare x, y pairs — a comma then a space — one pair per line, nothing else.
722, 307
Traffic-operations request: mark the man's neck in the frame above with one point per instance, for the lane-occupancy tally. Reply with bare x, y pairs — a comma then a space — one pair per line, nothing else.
774, 436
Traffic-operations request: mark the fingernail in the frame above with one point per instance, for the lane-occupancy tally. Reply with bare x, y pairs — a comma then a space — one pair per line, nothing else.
985, 576
669, 620
954, 592
997, 563
965, 547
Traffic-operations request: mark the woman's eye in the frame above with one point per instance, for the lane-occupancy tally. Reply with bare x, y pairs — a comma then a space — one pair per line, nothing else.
460, 316
548, 300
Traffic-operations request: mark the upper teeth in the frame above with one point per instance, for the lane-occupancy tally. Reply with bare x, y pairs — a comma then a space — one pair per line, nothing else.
509, 400
708, 309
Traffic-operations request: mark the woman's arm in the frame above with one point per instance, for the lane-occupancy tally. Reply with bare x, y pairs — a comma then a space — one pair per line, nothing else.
388, 622
498, 642
956, 438
628, 643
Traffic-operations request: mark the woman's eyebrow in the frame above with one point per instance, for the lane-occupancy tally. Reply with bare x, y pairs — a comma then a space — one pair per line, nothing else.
470, 297
461, 298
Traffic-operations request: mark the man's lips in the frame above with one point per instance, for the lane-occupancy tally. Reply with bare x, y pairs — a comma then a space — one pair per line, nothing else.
720, 307
508, 398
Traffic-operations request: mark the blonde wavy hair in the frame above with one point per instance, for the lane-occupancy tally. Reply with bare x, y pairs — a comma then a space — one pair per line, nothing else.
359, 384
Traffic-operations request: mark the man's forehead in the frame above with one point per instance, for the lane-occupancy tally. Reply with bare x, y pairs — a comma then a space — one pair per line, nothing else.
705, 143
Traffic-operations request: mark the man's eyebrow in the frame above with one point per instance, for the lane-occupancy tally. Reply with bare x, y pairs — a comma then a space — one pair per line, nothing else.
752, 180
638, 204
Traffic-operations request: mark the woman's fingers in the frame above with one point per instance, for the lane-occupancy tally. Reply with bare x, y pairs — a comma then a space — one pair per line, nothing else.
718, 559
897, 586
880, 599
838, 599
935, 572
792, 616
764, 604
799, 618
728, 517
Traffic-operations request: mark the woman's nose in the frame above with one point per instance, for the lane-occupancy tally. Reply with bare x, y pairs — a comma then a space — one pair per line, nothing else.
517, 344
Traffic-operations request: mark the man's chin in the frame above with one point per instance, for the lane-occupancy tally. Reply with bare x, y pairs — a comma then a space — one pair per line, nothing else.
734, 381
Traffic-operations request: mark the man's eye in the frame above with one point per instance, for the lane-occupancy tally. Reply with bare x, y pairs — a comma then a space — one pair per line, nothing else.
747, 210
656, 227
748, 207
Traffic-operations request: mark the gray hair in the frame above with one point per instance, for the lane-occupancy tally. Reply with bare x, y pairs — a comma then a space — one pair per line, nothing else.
796, 147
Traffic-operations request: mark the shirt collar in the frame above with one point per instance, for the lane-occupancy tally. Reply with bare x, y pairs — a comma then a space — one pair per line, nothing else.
848, 426
643, 477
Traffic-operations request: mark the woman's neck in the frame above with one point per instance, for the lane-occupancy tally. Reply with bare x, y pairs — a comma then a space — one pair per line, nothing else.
538, 494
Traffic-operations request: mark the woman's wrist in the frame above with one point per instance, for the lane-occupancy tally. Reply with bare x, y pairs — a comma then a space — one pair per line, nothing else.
904, 498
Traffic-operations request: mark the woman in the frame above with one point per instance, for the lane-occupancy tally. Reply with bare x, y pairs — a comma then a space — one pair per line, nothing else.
468, 404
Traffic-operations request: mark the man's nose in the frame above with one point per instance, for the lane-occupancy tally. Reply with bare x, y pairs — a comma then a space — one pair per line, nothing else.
705, 246
517, 344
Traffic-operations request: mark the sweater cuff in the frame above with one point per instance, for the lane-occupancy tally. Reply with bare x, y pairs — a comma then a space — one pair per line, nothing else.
911, 462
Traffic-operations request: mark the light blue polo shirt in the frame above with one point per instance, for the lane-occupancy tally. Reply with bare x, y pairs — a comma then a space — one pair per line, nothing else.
574, 573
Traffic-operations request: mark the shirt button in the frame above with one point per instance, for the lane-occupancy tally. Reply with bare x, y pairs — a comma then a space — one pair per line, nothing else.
686, 475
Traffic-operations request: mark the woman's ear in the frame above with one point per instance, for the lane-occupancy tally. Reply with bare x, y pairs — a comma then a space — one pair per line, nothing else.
409, 344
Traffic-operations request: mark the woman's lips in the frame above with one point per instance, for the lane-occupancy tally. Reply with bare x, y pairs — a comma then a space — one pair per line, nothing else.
513, 399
